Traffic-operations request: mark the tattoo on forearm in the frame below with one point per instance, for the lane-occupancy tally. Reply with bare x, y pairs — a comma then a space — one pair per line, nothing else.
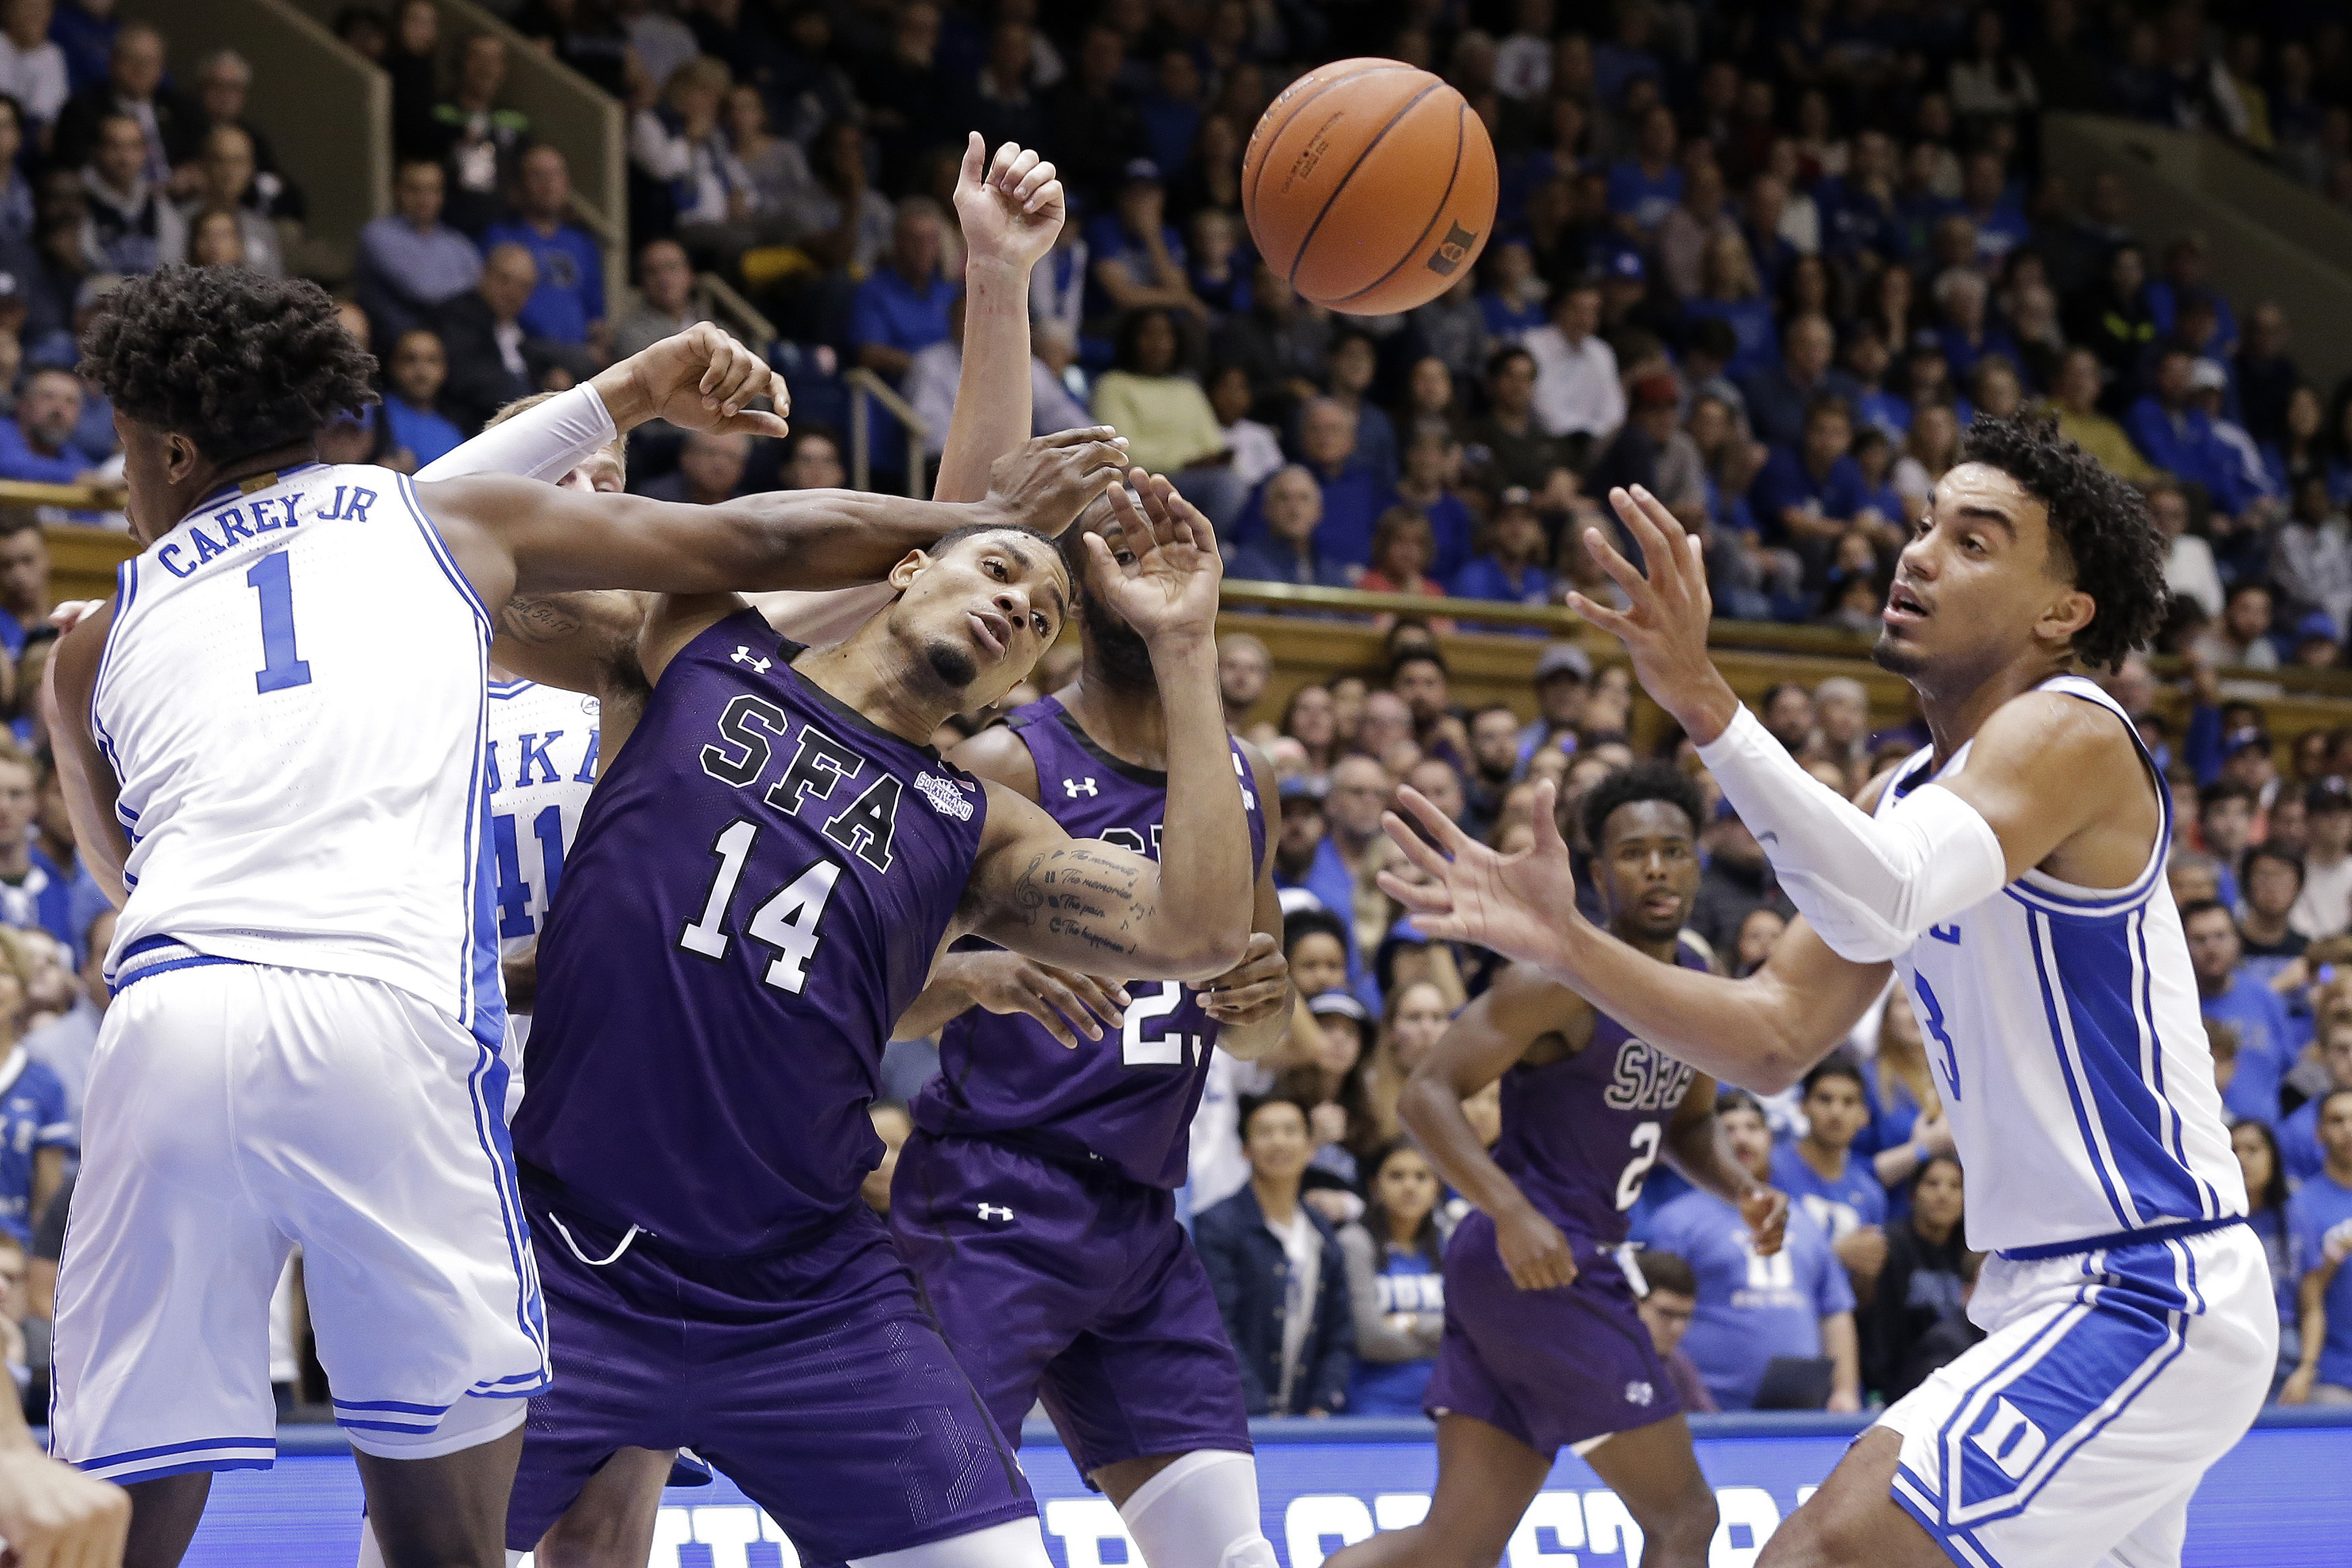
1084, 895
538, 621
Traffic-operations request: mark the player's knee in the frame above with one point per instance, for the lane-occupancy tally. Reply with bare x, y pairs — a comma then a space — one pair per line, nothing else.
1814, 1538
1254, 1551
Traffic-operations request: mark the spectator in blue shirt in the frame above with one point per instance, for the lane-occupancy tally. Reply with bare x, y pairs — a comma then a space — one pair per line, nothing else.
2184, 281
1778, 394
568, 305
1512, 302
1809, 494
2298, 1136
1857, 208
1138, 257
2000, 223
2226, 992
1511, 568
1875, 406
1756, 1306
1820, 1175
1395, 1284
1353, 496
38, 444
1730, 293
2319, 1228
1644, 188
31, 896
35, 1124
409, 261
1967, 333
1290, 505
901, 309
2165, 424
412, 403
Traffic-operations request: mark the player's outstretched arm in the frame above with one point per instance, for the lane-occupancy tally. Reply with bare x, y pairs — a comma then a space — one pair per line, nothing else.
1694, 1148
1479, 1046
1093, 906
1009, 208
512, 535
1760, 1033
52, 1515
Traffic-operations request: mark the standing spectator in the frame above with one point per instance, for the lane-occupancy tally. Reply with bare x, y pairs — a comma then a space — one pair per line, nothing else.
1667, 1307
1819, 1174
665, 304
1289, 550
410, 263
478, 140
412, 403
1279, 1274
709, 470
681, 146
137, 226
902, 307
1924, 1284
2319, 1221
133, 86
568, 305
32, 68
2227, 993
2324, 907
66, 1045
1394, 1284
492, 361
222, 175
2297, 1147
1754, 1308
1577, 396
36, 1126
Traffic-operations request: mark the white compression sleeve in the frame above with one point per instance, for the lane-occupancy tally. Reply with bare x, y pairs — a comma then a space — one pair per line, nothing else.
1201, 1511
544, 442
1869, 885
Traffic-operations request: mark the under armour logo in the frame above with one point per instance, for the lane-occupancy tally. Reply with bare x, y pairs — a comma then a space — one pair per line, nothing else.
1074, 788
1640, 1393
742, 655
995, 1211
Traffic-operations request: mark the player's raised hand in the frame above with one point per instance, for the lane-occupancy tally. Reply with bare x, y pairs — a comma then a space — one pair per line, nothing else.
1009, 208
1664, 625
700, 379
1067, 1003
1517, 904
53, 1516
1159, 566
1253, 990
1766, 1211
1045, 482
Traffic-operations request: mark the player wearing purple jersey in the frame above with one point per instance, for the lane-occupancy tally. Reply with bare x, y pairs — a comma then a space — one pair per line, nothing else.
1035, 1201
1543, 1347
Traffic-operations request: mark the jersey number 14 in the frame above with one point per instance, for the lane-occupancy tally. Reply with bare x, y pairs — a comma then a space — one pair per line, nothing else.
786, 921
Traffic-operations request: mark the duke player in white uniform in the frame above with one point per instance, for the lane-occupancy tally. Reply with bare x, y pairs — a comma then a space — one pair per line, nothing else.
272, 740
2011, 876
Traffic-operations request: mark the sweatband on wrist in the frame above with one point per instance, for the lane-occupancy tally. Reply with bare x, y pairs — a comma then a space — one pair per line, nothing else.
1869, 885
543, 442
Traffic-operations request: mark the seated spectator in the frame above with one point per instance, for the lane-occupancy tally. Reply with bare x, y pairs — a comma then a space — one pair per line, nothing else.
2242, 636
1698, 218
814, 461
1923, 1286
1645, 187
2076, 400
1779, 395
1162, 412
134, 87
492, 361
1730, 293
1402, 547
2269, 881
137, 226
1219, 267
1666, 1309
224, 85
1511, 304
2324, 907
477, 141
2319, 1221
66, 1045
1579, 399
1755, 1307
709, 470
1506, 446
224, 175
1652, 451
2267, 1215
2189, 570
568, 305
2229, 994
1138, 258
412, 400
1929, 453
35, 1124
781, 185
1289, 548
2171, 431
32, 68
1353, 496
1257, 451
410, 263
1432, 468
1967, 335
844, 225
1395, 1285
664, 306
34, 895
1274, 1262
1330, 1084
1819, 1174
1353, 363
1809, 496
2298, 1148
38, 444
2312, 549
1511, 568
681, 145
1245, 665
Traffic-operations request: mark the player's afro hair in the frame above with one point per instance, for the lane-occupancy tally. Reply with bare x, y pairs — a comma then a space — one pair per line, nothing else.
1645, 781
237, 363
2113, 550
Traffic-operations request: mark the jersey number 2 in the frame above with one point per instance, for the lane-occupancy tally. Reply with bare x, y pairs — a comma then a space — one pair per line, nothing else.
786, 922
272, 578
1142, 1045
1637, 1169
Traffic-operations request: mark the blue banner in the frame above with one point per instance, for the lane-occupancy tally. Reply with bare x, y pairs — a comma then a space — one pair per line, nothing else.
2282, 1498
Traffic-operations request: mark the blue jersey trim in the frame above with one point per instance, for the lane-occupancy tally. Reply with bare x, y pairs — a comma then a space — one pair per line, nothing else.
488, 1077
163, 1449
2208, 1196
1912, 1494
2067, 1067
433, 542
2151, 1236
201, 961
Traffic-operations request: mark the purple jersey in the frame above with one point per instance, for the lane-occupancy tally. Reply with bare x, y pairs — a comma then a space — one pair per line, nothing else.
757, 890
1579, 1135
1129, 1100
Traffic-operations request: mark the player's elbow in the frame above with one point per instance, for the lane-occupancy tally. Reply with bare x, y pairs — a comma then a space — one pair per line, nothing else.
1210, 953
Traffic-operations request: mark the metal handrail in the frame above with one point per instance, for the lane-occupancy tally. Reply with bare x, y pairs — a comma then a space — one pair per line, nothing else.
722, 299
863, 382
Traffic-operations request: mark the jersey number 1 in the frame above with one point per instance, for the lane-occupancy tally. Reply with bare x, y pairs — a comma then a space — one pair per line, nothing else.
786, 922
272, 578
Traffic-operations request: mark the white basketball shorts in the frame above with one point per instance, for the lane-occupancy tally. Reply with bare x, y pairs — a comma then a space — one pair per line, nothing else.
234, 1111
2075, 1433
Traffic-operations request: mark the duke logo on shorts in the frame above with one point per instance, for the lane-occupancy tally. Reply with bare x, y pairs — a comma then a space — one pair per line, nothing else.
2132, 1330
303, 1048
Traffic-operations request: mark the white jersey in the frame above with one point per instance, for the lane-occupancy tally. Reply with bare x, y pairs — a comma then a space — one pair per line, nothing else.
291, 697
541, 762
2063, 1026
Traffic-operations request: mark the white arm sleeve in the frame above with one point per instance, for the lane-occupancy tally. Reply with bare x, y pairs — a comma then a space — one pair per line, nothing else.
1869, 885
544, 442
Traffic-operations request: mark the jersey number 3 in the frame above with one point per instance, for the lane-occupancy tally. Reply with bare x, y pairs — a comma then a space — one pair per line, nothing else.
786, 922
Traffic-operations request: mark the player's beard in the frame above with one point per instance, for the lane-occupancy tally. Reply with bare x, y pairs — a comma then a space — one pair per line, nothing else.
951, 664
1114, 648
1897, 658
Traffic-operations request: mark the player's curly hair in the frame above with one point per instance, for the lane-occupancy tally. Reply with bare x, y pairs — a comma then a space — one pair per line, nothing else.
237, 363
2113, 550
1661, 781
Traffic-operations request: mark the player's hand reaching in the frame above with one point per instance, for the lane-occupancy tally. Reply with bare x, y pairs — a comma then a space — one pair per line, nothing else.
1009, 208
700, 379
53, 1516
1252, 990
1160, 568
1765, 1210
1664, 625
1044, 483
1536, 1251
1067, 1003
1516, 904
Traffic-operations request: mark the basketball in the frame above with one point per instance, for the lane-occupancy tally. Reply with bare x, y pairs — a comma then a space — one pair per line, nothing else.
1371, 186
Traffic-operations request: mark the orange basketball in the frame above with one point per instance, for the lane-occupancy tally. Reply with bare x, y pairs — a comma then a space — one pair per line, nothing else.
1371, 186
